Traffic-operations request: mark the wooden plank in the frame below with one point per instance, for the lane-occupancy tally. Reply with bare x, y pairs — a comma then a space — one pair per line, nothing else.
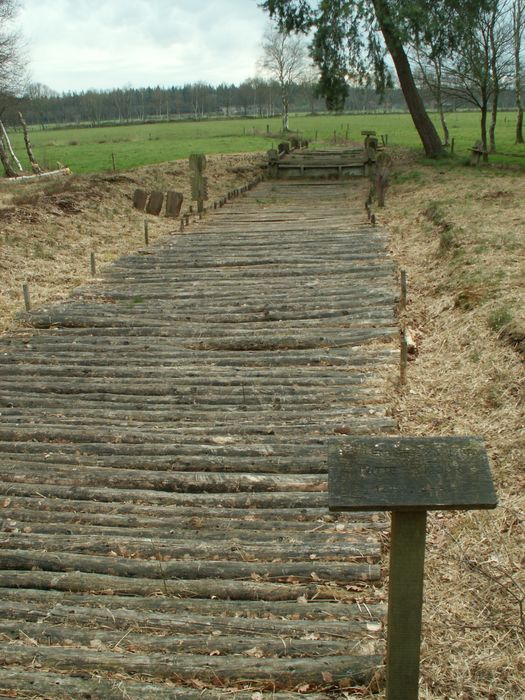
429, 473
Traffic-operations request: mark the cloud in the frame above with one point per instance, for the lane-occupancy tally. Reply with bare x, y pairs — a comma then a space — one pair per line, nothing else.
80, 44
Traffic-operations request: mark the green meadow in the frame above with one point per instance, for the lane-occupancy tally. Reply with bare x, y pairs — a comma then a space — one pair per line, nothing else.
94, 149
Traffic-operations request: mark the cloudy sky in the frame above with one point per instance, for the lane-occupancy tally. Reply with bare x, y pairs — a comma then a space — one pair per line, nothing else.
82, 44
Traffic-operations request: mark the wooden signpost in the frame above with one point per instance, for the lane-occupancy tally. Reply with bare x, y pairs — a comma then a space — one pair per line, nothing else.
199, 183
408, 476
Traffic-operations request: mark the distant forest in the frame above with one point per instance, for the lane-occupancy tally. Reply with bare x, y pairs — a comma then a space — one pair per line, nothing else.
43, 107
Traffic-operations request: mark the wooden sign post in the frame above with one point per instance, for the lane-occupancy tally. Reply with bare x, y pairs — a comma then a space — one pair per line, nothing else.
199, 183
408, 476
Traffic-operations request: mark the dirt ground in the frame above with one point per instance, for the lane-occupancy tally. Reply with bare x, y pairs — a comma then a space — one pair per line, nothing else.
460, 234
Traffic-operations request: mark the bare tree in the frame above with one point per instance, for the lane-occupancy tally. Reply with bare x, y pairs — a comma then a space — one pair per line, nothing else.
285, 59
482, 67
11, 59
430, 76
518, 27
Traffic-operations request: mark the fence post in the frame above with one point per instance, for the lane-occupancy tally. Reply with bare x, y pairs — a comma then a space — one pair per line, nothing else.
27, 298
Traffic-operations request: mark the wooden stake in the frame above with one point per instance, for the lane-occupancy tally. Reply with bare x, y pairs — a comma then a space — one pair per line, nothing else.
93, 265
403, 359
146, 232
403, 299
113, 161
452, 145
27, 298
405, 602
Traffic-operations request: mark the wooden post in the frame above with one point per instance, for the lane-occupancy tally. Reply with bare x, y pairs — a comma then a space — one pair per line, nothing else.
146, 232
403, 360
452, 145
405, 603
113, 161
403, 298
27, 298
408, 476
93, 264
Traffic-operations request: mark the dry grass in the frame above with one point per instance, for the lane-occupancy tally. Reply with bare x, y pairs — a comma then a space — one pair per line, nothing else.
49, 229
464, 299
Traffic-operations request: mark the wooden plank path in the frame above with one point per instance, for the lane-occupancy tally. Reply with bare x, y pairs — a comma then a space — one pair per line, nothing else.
165, 531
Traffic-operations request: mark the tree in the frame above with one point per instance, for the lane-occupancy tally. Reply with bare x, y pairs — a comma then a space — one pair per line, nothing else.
347, 43
285, 60
518, 27
480, 68
11, 59
431, 77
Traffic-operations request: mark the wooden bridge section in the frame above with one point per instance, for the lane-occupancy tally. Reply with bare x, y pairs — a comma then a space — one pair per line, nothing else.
163, 446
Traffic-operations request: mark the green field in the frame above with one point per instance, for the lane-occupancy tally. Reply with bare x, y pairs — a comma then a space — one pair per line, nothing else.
88, 150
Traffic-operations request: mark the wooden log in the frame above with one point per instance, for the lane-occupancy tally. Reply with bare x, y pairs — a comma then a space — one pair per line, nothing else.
176, 623
60, 686
217, 644
76, 582
34, 165
6, 140
251, 550
277, 673
155, 201
158, 612
301, 572
9, 170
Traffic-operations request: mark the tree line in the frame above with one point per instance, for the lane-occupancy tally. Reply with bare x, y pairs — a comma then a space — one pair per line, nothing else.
252, 98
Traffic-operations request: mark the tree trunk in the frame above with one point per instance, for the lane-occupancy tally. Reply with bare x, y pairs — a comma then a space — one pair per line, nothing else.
424, 126
492, 130
446, 134
517, 20
496, 84
285, 111
4, 158
34, 165
483, 125
519, 123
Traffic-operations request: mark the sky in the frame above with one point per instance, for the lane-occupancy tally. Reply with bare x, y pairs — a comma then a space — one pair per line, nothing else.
81, 44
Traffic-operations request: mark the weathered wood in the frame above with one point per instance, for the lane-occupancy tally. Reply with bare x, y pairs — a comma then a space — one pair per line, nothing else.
27, 297
7, 141
60, 686
174, 202
405, 602
155, 201
140, 199
163, 449
34, 165
429, 473
277, 673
